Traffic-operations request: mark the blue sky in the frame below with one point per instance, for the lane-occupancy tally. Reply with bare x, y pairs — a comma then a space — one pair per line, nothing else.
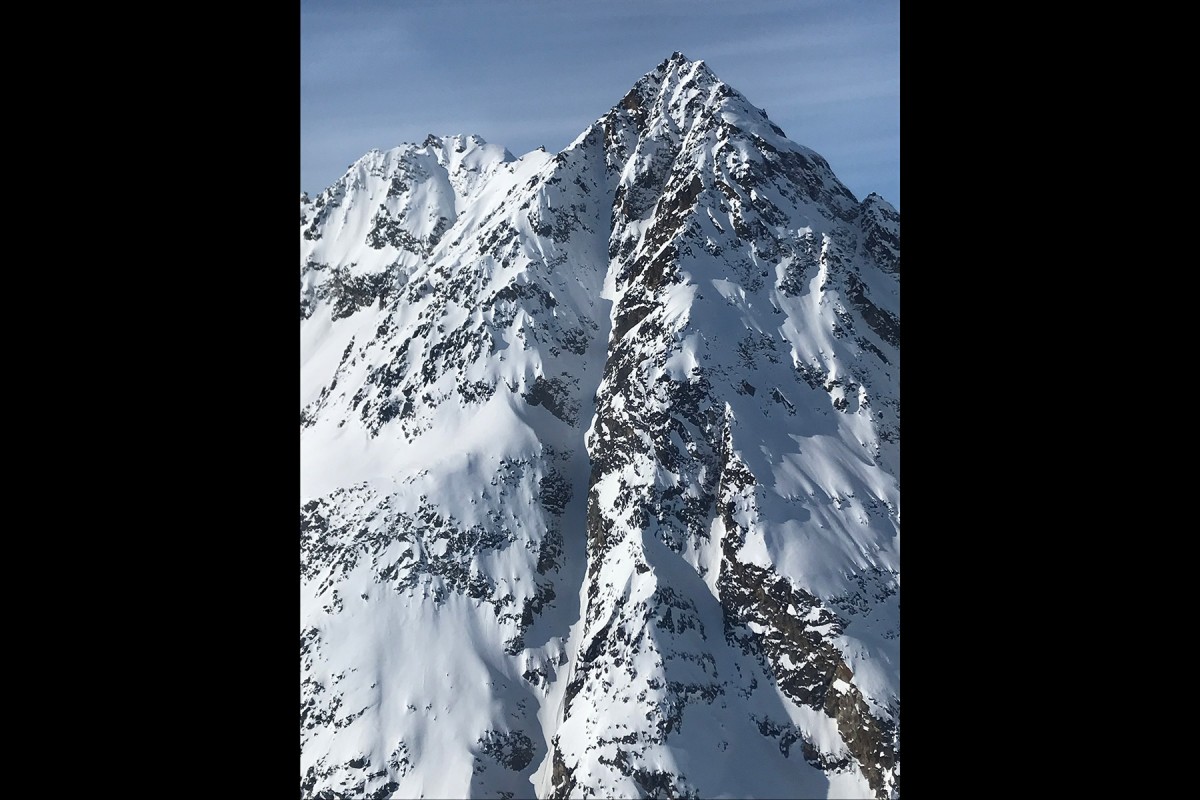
524, 73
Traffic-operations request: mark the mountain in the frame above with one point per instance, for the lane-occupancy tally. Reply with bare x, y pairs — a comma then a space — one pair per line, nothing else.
600, 465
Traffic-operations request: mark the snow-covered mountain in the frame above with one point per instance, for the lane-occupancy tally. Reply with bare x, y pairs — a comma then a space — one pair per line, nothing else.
600, 465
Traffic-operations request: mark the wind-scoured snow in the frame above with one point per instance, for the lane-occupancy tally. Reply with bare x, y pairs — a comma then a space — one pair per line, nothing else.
600, 465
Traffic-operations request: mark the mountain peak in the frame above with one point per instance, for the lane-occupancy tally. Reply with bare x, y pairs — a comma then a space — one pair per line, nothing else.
680, 95
677, 64
875, 200
677, 59
678, 89
610, 440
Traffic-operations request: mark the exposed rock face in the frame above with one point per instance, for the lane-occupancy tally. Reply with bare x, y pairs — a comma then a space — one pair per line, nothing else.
600, 465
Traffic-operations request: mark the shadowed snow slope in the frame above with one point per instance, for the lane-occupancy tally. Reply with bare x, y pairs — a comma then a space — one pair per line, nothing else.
600, 465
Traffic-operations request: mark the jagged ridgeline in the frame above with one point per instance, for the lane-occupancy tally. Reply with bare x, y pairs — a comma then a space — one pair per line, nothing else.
600, 465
